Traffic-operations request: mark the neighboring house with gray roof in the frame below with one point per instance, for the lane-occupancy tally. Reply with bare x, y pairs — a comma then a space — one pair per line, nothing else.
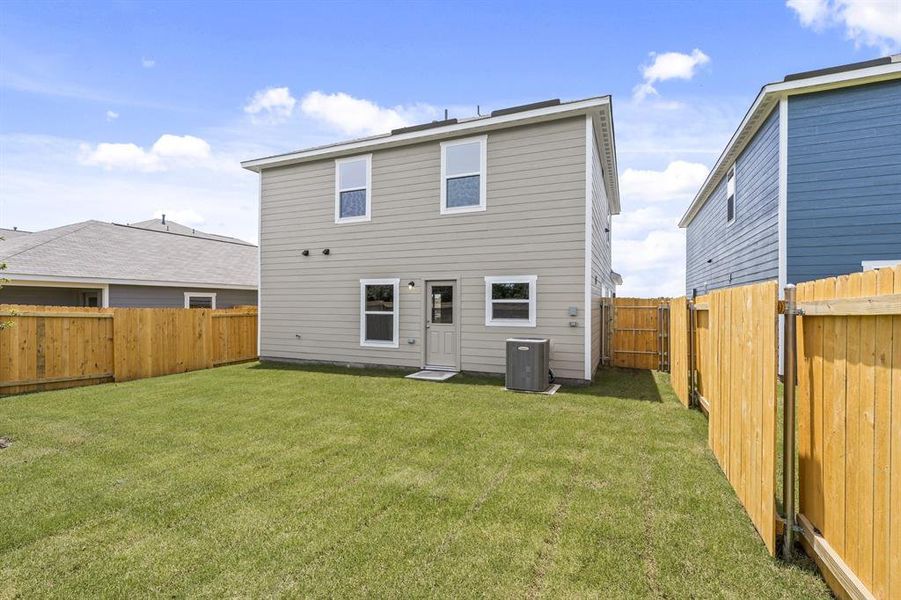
142, 265
8, 234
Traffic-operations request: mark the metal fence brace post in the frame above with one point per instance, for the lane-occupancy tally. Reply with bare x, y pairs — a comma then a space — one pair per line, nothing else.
692, 372
789, 370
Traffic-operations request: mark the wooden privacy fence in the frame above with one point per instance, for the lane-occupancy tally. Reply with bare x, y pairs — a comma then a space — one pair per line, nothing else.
729, 336
55, 347
724, 348
849, 428
641, 333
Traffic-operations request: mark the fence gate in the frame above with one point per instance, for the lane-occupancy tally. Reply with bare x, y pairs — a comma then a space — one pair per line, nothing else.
641, 333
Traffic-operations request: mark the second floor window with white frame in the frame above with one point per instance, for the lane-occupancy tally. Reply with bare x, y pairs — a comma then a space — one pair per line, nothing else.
353, 189
730, 195
463, 166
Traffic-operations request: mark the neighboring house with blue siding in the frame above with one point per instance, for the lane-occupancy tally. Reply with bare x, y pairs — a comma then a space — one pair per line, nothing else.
156, 264
808, 187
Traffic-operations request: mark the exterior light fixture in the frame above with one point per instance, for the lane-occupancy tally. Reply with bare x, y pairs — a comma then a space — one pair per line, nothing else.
306, 252
326, 252
411, 285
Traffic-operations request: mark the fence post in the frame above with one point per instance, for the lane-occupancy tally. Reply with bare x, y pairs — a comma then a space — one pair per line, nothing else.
692, 400
789, 366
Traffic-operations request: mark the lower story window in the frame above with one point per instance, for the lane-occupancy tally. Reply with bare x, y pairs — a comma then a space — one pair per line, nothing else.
510, 300
200, 300
378, 312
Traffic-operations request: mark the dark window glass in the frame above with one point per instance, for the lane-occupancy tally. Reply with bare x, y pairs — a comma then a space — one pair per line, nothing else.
353, 203
443, 304
200, 302
510, 310
380, 298
463, 191
510, 291
380, 328
730, 208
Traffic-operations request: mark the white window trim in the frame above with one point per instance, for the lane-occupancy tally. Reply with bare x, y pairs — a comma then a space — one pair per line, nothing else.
189, 295
364, 312
483, 175
734, 173
532, 280
339, 189
869, 265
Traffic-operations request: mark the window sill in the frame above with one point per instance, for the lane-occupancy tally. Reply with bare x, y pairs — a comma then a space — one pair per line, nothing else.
352, 219
463, 209
509, 323
369, 344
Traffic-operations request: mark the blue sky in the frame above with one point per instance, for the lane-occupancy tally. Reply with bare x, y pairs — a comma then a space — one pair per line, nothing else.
117, 111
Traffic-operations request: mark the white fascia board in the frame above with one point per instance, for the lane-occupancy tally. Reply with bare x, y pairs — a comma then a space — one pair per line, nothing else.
606, 147
387, 141
37, 280
768, 97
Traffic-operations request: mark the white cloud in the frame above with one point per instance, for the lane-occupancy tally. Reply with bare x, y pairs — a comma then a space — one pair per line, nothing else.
652, 265
148, 63
181, 146
111, 115
874, 23
648, 248
272, 105
669, 65
119, 156
167, 151
811, 13
679, 181
358, 116
45, 187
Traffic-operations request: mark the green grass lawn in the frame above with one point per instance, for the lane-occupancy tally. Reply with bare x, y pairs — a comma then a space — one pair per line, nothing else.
257, 481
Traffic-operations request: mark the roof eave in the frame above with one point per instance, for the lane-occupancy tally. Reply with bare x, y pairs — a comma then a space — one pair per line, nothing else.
560, 111
35, 278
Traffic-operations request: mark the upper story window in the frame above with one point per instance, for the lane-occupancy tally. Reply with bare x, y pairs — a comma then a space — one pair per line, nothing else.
510, 301
463, 166
353, 189
730, 195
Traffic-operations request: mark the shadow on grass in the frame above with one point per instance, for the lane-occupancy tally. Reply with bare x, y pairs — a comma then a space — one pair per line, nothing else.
627, 384
388, 373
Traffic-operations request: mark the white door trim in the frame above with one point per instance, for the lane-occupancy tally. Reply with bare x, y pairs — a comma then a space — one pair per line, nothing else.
458, 313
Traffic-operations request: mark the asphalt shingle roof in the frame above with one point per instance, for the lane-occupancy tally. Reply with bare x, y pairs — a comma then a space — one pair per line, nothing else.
173, 227
97, 250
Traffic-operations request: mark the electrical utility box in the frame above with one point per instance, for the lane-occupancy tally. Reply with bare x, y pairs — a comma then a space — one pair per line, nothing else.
528, 364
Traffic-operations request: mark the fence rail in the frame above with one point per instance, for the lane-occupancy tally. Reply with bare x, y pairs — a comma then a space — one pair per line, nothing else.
57, 347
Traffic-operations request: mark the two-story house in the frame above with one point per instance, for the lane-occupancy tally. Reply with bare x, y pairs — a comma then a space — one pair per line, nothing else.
808, 187
431, 245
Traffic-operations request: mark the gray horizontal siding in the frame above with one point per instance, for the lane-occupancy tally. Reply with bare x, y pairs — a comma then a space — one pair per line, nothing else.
145, 296
844, 180
601, 252
719, 254
40, 296
534, 225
